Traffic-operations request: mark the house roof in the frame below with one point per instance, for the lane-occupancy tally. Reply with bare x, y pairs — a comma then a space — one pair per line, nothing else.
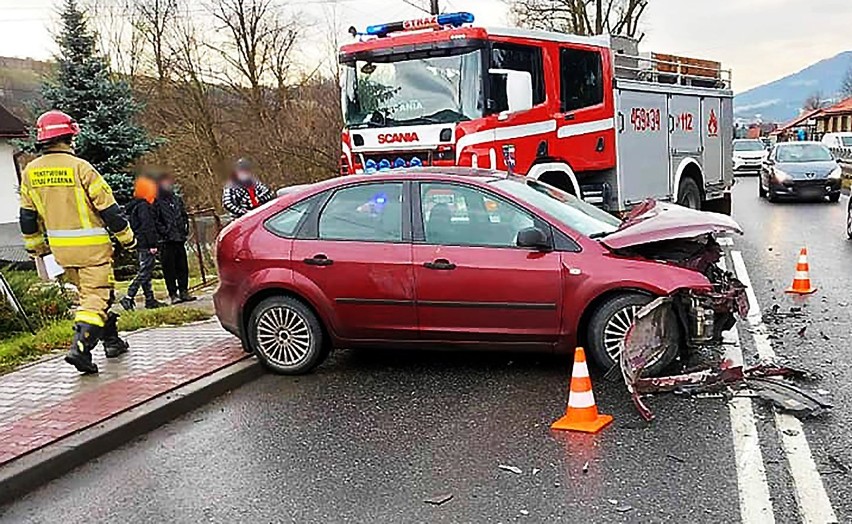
10, 125
842, 107
797, 121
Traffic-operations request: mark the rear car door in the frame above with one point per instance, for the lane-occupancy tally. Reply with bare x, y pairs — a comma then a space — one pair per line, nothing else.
356, 252
472, 281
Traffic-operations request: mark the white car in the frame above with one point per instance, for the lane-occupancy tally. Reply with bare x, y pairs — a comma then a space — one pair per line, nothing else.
749, 155
837, 140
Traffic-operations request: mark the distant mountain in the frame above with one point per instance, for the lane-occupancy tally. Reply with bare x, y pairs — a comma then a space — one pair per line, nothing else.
781, 100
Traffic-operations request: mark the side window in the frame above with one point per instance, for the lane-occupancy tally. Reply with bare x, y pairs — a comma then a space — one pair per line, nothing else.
581, 79
463, 216
368, 212
286, 222
521, 58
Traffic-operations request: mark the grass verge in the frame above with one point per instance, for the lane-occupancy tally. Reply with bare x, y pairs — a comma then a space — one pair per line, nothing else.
24, 348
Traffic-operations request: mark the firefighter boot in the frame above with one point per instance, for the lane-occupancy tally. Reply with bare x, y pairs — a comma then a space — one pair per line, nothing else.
114, 346
84, 341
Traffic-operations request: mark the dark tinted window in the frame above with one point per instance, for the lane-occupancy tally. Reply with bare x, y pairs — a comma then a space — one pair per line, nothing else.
286, 222
520, 58
581, 79
370, 212
464, 216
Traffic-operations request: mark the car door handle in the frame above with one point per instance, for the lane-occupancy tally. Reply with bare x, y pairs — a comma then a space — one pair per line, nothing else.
441, 264
319, 260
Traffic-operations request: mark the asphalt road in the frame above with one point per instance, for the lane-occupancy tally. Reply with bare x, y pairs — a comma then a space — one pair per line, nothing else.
371, 435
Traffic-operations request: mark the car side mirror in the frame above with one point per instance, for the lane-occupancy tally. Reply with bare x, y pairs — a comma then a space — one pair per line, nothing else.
511, 91
533, 238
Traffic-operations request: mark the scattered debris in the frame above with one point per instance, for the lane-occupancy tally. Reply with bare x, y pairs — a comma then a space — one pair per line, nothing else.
790, 432
676, 458
624, 508
824, 336
586, 467
524, 512
535, 471
789, 397
439, 499
612, 501
513, 469
801, 332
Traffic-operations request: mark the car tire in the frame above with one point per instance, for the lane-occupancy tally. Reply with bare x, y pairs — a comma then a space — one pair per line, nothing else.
688, 194
286, 336
770, 195
760, 191
608, 323
849, 219
834, 198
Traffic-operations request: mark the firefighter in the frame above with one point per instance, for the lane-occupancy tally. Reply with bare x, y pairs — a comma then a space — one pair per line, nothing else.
66, 209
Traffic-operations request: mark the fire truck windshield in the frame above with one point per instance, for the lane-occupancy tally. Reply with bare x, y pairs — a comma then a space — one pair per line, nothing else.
403, 90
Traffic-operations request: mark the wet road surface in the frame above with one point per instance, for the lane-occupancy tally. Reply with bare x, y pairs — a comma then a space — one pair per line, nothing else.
371, 435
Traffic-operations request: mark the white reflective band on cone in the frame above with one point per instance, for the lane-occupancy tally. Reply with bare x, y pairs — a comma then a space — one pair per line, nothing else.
581, 370
801, 275
581, 399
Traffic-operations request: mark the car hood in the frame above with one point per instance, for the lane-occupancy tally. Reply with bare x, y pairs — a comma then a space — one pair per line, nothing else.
749, 155
654, 221
806, 170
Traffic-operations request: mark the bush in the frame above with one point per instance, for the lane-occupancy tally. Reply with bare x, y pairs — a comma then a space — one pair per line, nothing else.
43, 302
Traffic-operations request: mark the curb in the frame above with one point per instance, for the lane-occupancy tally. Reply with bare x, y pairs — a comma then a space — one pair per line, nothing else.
54, 460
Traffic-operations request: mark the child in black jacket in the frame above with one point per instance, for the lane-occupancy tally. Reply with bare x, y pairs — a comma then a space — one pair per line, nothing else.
142, 219
173, 231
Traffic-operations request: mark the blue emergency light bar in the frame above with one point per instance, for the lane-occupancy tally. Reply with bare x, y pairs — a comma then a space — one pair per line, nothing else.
430, 22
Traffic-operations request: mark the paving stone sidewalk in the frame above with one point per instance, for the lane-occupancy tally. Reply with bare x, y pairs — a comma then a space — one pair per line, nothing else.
47, 401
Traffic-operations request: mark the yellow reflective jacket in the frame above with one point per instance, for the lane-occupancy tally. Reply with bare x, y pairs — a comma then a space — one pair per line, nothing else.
66, 208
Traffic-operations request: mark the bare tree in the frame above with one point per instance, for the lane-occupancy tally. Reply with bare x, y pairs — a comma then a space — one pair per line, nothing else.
153, 19
814, 101
581, 17
119, 42
846, 84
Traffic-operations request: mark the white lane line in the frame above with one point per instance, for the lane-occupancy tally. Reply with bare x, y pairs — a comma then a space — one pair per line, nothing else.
754, 497
725, 241
814, 504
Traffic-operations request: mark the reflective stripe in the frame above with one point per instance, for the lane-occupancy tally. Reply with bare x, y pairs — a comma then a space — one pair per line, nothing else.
89, 317
83, 208
125, 236
586, 399
76, 233
93, 240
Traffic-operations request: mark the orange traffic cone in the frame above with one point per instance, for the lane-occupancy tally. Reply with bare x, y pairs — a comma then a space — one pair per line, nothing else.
802, 280
582, 413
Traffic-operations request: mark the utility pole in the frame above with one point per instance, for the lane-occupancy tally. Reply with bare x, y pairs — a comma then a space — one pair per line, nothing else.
433, 9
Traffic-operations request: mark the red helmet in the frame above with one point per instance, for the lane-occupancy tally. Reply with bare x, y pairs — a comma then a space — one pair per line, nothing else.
55, 124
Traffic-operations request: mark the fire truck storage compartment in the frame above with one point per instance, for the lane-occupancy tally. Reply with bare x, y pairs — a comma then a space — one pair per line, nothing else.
661, 130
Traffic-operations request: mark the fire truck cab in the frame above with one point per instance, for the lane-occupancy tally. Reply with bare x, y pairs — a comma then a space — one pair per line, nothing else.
590, 115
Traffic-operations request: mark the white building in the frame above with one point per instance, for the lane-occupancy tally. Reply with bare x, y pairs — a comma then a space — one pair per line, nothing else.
11, 245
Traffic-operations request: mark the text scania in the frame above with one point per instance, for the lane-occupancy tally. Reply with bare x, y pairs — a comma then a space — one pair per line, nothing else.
393, 138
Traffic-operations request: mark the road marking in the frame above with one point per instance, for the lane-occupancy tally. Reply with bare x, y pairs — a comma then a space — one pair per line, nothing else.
811, 497
753, 489
725, 241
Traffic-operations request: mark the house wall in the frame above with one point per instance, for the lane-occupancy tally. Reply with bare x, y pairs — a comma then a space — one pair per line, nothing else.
9, 202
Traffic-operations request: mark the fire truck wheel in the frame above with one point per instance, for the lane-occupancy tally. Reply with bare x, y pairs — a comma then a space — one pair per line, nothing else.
609, 324
688, 194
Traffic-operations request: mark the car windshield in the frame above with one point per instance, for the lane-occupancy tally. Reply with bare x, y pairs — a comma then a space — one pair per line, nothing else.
846, 141
803, 153
748, 145
400, 90
568, 209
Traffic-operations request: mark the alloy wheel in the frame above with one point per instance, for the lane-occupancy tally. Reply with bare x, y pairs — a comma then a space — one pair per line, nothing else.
283, 336
616, 329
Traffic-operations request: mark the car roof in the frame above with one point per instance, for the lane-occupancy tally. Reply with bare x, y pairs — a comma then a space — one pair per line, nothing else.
799, 143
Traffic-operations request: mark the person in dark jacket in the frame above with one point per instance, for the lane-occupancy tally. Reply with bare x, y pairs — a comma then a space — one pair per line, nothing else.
244, 191
173, 230
142, 219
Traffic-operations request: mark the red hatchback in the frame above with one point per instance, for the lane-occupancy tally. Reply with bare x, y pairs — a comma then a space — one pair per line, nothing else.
463, 258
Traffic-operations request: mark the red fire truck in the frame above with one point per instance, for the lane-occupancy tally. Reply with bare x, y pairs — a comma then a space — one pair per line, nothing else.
589, 115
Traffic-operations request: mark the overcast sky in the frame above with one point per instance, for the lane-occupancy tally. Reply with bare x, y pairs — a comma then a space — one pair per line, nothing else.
761, 40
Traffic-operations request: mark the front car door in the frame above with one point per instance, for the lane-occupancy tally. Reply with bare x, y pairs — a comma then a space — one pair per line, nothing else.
356, 252
472, 281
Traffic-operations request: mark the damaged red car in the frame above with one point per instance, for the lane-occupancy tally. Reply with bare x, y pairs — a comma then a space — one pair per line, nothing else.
467, 259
